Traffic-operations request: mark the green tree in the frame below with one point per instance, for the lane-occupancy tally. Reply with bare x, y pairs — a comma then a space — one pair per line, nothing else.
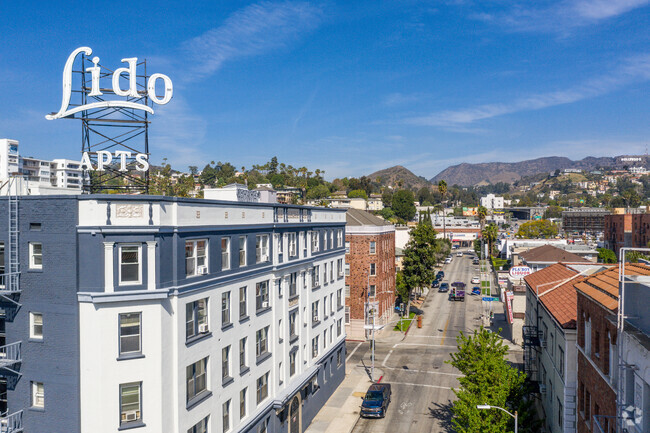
387, 198
419, 258
401, 288
319, 192
358, 193
553, 212
403, 204
538, 229
482, 214
606, 255
386, 213
490, 234
442, 189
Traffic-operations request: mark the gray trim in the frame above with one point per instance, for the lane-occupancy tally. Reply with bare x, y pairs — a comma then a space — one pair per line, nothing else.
125, 296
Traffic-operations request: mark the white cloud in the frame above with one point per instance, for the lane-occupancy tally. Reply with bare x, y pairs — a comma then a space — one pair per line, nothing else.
251, 31
636, 69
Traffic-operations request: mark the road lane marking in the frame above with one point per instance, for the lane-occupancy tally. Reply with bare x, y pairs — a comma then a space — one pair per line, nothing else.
420, 384
444, 332
383, 364
352, 353
423, 371
424, 344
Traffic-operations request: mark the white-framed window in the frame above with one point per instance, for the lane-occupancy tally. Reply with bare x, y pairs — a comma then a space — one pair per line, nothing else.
331, 244
314, 273
35, 255
243, 306
225, 308
371, 291
36, 326
242, 251
293, 284
339, 298
325, 307
293, 247
314, 347
613, 355
225, 253
261, 248
242, 403
196, 378
130, 264
225, 425
588, 337
339, 268
243, 362
315, 242
130, 333
292, 363
339, 357
261, 341
347, 247
373, 269
324, 339
293, 328
347, 290
279, 239
339, 238
339, 327
38, 394
314, 312
347, 315
199, 427
225, 363
262, 388
196, 318
325, 273
373, 247
331, 271
130, 402
347, 269
196, 257
262, 295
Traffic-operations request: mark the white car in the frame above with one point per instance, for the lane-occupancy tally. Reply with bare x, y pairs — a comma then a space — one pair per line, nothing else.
459, 254
476, 280
448, 260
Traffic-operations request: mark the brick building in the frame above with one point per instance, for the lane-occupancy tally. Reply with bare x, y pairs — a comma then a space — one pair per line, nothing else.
597, 352
627, 230
369, 271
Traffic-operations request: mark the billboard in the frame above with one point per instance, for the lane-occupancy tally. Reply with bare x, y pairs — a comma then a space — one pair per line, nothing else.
520, 271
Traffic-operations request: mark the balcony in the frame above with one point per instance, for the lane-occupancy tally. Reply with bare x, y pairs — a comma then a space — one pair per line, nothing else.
10, 354
9, 283
12, 423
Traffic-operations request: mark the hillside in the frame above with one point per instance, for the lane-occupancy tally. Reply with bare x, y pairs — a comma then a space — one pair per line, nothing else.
492, 172
399, 177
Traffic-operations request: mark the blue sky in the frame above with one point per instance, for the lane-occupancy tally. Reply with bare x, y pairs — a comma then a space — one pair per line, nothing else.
348, 87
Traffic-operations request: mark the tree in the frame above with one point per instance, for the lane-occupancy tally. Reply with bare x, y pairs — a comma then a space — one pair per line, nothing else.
358, 193
482, 214
606, 255
488, 379
419, 258
387, 198
319, 192
538, 229
401, 288
442, 189
553, 212
403, 204
490, 234
193, 169
273, 165
386, 213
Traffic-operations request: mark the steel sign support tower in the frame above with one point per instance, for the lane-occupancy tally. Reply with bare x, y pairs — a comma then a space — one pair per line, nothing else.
113, 129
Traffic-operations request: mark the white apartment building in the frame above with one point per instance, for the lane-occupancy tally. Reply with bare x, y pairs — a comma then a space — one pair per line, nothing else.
67, 173
492, 201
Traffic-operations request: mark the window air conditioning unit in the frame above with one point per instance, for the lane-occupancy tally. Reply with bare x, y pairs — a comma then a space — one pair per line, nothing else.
202, 270
131, 415
542, 388
265, 304
203, 328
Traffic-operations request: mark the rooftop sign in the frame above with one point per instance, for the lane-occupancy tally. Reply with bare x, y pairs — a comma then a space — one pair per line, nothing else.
520, 271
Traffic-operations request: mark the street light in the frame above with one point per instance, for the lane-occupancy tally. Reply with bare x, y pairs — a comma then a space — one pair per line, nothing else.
487, 406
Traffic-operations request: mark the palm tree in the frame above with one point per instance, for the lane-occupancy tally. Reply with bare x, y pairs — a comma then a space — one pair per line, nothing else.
442, 189
490, 234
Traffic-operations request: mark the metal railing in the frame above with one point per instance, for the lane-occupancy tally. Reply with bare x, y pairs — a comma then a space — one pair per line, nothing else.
12, 423
9, 283
10, 354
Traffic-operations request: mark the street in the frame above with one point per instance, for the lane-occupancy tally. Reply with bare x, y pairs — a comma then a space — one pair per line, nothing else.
415, 367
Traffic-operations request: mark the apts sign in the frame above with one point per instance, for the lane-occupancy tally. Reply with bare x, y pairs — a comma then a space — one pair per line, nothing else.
520, 271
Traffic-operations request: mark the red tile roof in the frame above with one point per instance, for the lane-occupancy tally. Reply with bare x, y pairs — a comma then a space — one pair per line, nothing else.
546, 278
602, 287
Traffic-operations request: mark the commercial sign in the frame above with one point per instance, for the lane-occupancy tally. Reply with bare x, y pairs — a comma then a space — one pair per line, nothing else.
509, 297
104, 158
520, 271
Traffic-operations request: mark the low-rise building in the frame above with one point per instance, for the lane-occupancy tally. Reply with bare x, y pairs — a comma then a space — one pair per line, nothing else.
375, 202
547, 255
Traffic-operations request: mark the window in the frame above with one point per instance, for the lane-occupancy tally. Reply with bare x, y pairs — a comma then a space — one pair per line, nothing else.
226, 416
325, 307
130, 402
280, 374
560, 356
293, 317
560, 413
225, 363
373, 269
314, 273
347, 269
196, 318
196, 258
242, 251
339, 298
242, 403
315, 240
261, 341
588, 407
331, 272
324, 339
612, 359
196, 380
339, 238
129, 264
292, 363
347, 315
373, 247
293, 284
36, 326
262, 295
200, 427
339, 327
263, 426
130, 335
293, 248
324, 273
280, 241
314, 312
225, 254
347, 290
347, 247
242, 354
262, 388
588, 337
35, 255
38, 394
331, 245
339, 268
339, 357
371, 291
597, 344
314, 347
261, 248
243, 310
225, 308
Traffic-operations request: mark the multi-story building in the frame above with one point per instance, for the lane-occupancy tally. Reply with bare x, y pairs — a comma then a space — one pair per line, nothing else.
492, 201
167, 314
369, 272
550, 341
590, 221
375, 202
598, 301
630, 230
68, 174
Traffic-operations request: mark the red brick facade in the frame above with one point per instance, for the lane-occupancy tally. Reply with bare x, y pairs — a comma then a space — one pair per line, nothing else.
595, 395
359, 259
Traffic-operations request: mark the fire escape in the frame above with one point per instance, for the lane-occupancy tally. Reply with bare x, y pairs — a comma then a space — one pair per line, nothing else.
532, 350
10, 354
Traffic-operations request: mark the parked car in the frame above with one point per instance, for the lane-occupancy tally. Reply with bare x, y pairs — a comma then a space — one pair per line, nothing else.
443, 287
459, 254
447, 260
475, 261
435, 284
476, 280
476, 291
440, 275
376, 401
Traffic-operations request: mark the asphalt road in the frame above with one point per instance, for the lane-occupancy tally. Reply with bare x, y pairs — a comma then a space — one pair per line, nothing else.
415, 367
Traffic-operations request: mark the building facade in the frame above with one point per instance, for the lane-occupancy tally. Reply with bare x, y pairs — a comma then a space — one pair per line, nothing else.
630, 230
369, 273
165, 314
584, 221
492, 201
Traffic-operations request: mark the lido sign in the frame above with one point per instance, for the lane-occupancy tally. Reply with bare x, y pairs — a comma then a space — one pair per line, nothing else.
104, 158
